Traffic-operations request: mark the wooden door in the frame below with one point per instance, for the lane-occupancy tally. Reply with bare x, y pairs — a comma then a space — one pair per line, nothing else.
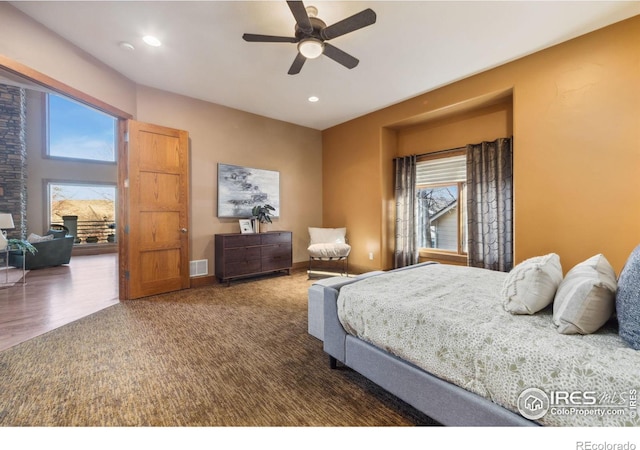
155, 251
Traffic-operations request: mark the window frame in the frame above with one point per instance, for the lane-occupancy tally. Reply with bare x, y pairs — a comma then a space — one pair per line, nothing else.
47, 195
47, 132
459, 255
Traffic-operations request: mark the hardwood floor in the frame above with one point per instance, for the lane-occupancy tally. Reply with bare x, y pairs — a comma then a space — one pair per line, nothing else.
55, 296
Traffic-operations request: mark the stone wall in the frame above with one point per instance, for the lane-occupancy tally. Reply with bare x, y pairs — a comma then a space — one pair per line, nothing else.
13, 157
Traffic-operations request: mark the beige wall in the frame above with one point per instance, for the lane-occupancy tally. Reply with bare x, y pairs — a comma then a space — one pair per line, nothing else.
218, 134
576, 124
27, 42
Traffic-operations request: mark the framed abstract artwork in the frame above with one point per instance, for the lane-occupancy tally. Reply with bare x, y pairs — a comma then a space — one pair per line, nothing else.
242, 188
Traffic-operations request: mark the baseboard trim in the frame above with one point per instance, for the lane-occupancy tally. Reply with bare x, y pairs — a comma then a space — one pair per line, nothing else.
207, 280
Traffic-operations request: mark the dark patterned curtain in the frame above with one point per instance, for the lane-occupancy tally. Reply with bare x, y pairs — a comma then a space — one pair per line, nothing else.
406, 252
490, 204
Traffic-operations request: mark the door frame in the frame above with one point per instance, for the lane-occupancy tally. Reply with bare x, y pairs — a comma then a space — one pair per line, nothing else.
40, 79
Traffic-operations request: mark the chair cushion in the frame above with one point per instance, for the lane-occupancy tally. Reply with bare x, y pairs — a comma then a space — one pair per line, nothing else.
327, 235
34, 238
329, 250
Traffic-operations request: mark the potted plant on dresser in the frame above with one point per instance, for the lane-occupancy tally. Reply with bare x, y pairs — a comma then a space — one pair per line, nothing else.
262, 215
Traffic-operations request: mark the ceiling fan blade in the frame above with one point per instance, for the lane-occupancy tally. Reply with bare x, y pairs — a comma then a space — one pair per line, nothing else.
297, 64
262, 38
300, 14
355, 22
339, 56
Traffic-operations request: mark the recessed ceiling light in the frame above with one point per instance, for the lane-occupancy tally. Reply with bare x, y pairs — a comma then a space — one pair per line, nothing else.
313, 99
152, 41
126, 46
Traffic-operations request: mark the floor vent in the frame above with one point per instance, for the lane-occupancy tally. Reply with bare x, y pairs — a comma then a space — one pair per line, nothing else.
198, 268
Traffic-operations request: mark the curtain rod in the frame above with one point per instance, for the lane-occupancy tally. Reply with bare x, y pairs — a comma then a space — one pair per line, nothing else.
439, 152
442, 152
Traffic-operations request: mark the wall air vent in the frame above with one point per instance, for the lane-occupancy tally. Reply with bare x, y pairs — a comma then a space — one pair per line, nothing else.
199, 267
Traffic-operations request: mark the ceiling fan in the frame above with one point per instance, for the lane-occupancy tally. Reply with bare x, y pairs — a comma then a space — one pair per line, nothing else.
312, 33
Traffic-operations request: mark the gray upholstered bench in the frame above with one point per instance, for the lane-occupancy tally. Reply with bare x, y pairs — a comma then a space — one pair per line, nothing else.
315, 312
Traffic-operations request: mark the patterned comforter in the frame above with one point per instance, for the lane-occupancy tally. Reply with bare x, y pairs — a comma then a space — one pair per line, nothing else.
450, 321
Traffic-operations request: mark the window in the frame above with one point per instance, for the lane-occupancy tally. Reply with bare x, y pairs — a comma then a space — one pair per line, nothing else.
93, 204
440, 191
76, 131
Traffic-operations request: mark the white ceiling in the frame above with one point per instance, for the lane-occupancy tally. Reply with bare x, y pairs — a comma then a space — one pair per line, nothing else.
414, 47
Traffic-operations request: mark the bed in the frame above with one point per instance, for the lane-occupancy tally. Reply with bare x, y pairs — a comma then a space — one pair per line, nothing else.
440, 338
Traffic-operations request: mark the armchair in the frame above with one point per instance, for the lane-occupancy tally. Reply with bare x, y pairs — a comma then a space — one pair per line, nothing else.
329, 244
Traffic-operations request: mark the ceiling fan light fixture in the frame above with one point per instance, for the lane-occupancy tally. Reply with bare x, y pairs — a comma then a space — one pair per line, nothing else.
312, 11
311, 48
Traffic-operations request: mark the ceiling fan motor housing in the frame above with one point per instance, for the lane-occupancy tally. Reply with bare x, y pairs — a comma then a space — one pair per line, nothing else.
317, 25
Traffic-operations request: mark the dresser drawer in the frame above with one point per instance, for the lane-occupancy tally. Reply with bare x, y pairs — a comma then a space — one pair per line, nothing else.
276, 263
235, 269
241, 254
269, 251
243, 240
276, 238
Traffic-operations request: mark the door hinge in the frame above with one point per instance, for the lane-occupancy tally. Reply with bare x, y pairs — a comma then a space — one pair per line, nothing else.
126, 136
126, 229
126, 274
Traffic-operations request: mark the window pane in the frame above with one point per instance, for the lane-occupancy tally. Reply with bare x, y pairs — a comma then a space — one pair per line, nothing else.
94, 205
438, 217
79, 132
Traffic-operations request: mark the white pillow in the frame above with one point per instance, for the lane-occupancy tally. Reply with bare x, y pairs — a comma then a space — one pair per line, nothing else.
329, 250
532, 284
586, 297
327, 235
33, 238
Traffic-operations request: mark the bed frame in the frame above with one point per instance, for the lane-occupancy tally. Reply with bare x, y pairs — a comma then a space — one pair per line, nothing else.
444, 402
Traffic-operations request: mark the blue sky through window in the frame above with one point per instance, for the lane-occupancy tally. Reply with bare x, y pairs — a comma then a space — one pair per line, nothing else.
77, 131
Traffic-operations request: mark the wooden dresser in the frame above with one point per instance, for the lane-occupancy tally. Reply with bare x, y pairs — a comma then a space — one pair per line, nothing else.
242, 255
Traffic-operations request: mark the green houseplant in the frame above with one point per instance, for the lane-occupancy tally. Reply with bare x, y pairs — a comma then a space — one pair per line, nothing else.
22, 245
263, 213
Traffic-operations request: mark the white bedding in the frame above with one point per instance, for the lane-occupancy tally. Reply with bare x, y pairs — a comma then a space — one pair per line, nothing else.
450, 321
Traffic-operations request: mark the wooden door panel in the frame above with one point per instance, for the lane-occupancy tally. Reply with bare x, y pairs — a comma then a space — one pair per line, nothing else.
157, 242
163, 152
160, 190
160, 229
160, 265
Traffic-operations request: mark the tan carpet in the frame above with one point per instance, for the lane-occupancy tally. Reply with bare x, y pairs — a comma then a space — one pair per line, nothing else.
212, 356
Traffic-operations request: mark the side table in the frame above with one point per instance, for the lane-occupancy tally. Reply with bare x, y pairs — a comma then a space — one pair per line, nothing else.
6, 266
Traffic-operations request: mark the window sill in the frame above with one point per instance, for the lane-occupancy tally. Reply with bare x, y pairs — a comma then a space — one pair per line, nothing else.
443, 257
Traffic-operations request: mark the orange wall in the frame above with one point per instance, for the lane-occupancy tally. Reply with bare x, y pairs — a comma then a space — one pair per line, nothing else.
481, 124
575, 120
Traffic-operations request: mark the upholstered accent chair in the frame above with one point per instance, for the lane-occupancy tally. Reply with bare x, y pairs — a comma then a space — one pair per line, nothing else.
326, 247
53, 251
